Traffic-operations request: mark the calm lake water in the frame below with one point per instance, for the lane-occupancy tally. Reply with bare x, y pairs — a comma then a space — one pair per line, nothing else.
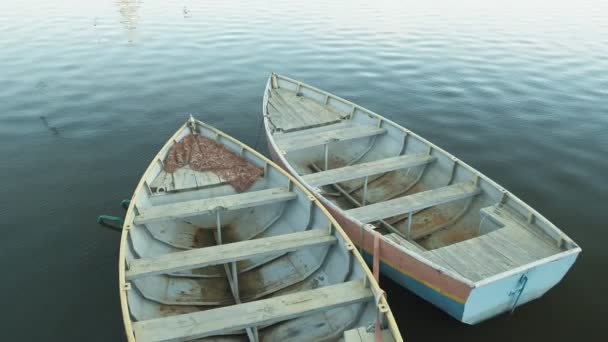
90, 90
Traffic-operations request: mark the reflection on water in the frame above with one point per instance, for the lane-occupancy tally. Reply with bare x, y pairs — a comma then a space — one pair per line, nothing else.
517, 89
128, 13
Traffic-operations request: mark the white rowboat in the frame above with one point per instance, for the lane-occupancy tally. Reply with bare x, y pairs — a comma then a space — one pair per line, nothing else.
202, 261
449, 233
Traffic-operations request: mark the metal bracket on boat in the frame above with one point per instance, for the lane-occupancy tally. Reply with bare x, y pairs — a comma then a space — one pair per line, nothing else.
370, 226
289, 184
273, 81
364, 199
192, 124
376, 260
382, 310
523, 280
127, 287
349, 246
326, 147
352, 113
531, 217
503, 196
218, 222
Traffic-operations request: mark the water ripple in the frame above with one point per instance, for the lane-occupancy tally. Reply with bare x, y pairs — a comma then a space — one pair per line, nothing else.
89, 90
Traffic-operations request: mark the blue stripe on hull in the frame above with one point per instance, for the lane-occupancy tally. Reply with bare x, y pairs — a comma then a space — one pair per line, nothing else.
445, 303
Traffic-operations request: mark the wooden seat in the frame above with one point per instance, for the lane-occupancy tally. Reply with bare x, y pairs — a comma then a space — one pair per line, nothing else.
202, 206
222, 254
366, 169
262, 312
407, 204
288, 142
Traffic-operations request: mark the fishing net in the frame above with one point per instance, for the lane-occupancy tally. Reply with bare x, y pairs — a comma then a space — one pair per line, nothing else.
204, 154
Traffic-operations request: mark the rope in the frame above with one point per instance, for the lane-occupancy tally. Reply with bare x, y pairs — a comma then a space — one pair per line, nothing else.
257, 138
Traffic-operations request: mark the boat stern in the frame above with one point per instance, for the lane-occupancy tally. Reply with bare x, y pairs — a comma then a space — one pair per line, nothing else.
505, 292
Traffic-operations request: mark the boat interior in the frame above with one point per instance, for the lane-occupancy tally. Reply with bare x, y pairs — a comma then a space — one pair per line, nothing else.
415, 194
205, 262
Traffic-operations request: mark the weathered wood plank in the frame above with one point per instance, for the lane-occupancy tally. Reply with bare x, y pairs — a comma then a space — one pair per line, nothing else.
162, 181
315, 130
527, 241
208, 178
367, 169
509, 249
222, 254
236, 317
501, 250
283, 116
287, 143
202, 206
474, 259
515, 238
407, 204
184, 178
394, 237
291, 112
464, 262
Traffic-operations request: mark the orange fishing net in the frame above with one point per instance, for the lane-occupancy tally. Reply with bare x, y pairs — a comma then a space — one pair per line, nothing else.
204, 154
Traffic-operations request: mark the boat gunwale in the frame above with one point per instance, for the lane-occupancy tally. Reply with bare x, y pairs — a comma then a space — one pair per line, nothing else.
381, 303
574, 249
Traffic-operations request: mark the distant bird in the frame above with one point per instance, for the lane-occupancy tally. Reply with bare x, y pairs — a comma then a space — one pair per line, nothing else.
186, 12
41, 85
49, 127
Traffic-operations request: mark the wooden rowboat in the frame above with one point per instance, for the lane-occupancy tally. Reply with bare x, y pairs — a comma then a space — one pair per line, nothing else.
205, 255
449, 234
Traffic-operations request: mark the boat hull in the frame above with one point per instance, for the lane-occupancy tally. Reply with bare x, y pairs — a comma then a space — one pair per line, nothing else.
253, 257
467, 302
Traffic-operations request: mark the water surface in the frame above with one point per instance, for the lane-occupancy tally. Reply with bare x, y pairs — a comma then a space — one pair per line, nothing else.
90, 90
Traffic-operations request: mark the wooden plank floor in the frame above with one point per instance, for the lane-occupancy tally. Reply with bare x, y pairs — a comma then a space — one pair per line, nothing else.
501, 250
290, 112
471, 259
184, 179
262, 312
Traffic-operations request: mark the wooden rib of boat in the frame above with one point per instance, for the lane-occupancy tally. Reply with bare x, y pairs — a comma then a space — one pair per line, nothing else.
449, 234
202, 261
